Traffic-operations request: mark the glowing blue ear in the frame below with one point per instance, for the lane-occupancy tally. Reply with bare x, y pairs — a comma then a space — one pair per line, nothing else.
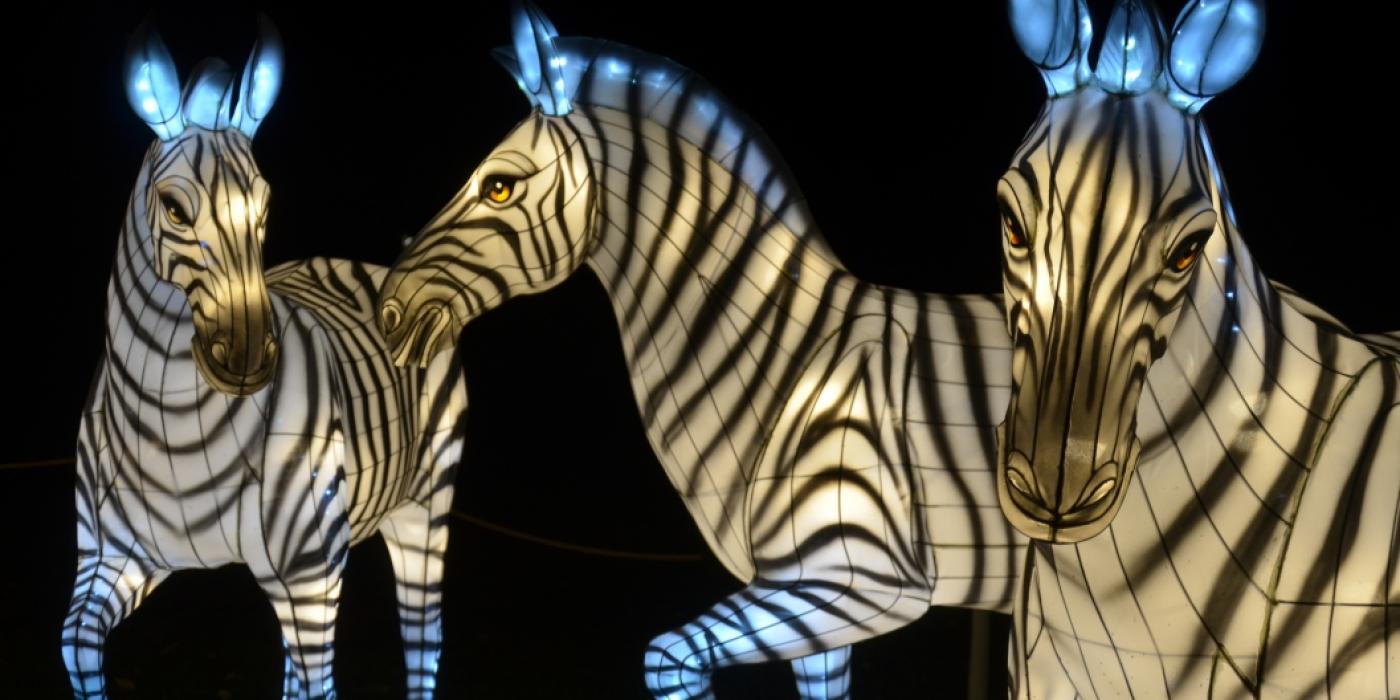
152, 86
209, 95
1055, 35
1213, 45
262, 78
1131, 58
535, 61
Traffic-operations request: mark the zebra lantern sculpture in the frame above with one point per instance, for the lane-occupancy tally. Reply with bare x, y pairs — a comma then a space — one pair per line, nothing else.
832, 439
243, 417
1210, 466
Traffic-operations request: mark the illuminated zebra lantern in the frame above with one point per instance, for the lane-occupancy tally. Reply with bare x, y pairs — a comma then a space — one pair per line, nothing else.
833, 439
1217, 460
237, 417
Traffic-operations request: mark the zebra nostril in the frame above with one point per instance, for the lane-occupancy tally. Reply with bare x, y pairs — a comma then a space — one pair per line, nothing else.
218, 350
390, 316
1100, 492
1018, 482
1017, 466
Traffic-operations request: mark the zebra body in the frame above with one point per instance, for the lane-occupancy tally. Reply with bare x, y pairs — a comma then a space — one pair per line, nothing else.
832, 439
334, 444
735, 347
1209, 464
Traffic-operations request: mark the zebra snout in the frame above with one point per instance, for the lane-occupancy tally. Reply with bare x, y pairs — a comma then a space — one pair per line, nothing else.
1029, 487
242, 362
234, 366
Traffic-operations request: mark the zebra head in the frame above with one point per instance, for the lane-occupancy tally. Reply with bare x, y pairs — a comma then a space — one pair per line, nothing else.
523, 222
203, 203
1108, 204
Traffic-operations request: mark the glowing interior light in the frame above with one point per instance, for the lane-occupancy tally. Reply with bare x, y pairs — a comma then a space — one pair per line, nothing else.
149, 105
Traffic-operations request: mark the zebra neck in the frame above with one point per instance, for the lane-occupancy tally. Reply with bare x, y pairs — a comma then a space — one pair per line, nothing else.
1241, 394
149, 321
715, 294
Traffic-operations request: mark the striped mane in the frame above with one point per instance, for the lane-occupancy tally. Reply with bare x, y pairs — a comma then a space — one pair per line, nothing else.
607, 74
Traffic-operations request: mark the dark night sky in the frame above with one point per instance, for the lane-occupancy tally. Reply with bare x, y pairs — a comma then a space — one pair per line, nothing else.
896, 125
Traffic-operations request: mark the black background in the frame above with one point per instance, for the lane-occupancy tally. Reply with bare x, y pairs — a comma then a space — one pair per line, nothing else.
896, 123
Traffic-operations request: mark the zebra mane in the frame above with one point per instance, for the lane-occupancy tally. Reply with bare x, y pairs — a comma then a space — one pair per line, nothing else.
1211, 47
602, 73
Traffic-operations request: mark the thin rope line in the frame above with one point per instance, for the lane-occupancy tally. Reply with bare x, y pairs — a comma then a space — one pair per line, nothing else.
470, 519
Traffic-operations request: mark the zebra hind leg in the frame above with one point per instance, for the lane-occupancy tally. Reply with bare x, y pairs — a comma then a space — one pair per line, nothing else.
825, 675
417, 537
104, 593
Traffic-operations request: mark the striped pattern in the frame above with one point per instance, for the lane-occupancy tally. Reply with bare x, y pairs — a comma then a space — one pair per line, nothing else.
173, 474
832, 439
1253, 550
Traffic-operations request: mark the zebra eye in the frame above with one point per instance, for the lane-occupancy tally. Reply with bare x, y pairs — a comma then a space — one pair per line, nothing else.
498, 188
1188, 251
173, 212
1015, 235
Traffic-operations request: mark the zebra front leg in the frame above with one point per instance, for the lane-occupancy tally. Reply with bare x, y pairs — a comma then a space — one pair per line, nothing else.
811, 622
304, 544
105, 591
306, 603
291, 679
417, 537
831, 531
825, 675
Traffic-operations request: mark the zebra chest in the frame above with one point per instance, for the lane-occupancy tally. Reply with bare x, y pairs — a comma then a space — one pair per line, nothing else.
194, 474
1118, 616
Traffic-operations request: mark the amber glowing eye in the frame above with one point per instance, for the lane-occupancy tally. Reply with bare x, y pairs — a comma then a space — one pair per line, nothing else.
1188, 251
173, 213
1014, 236
499, 189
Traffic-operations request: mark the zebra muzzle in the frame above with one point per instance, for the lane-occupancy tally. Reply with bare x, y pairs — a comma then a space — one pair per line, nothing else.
417, 342
232, 369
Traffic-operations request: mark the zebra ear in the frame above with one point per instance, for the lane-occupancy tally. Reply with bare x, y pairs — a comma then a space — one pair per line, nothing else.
1055, 35
262, 78
152, 85
208, 96
1213, 44
534, 60
1131, 58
